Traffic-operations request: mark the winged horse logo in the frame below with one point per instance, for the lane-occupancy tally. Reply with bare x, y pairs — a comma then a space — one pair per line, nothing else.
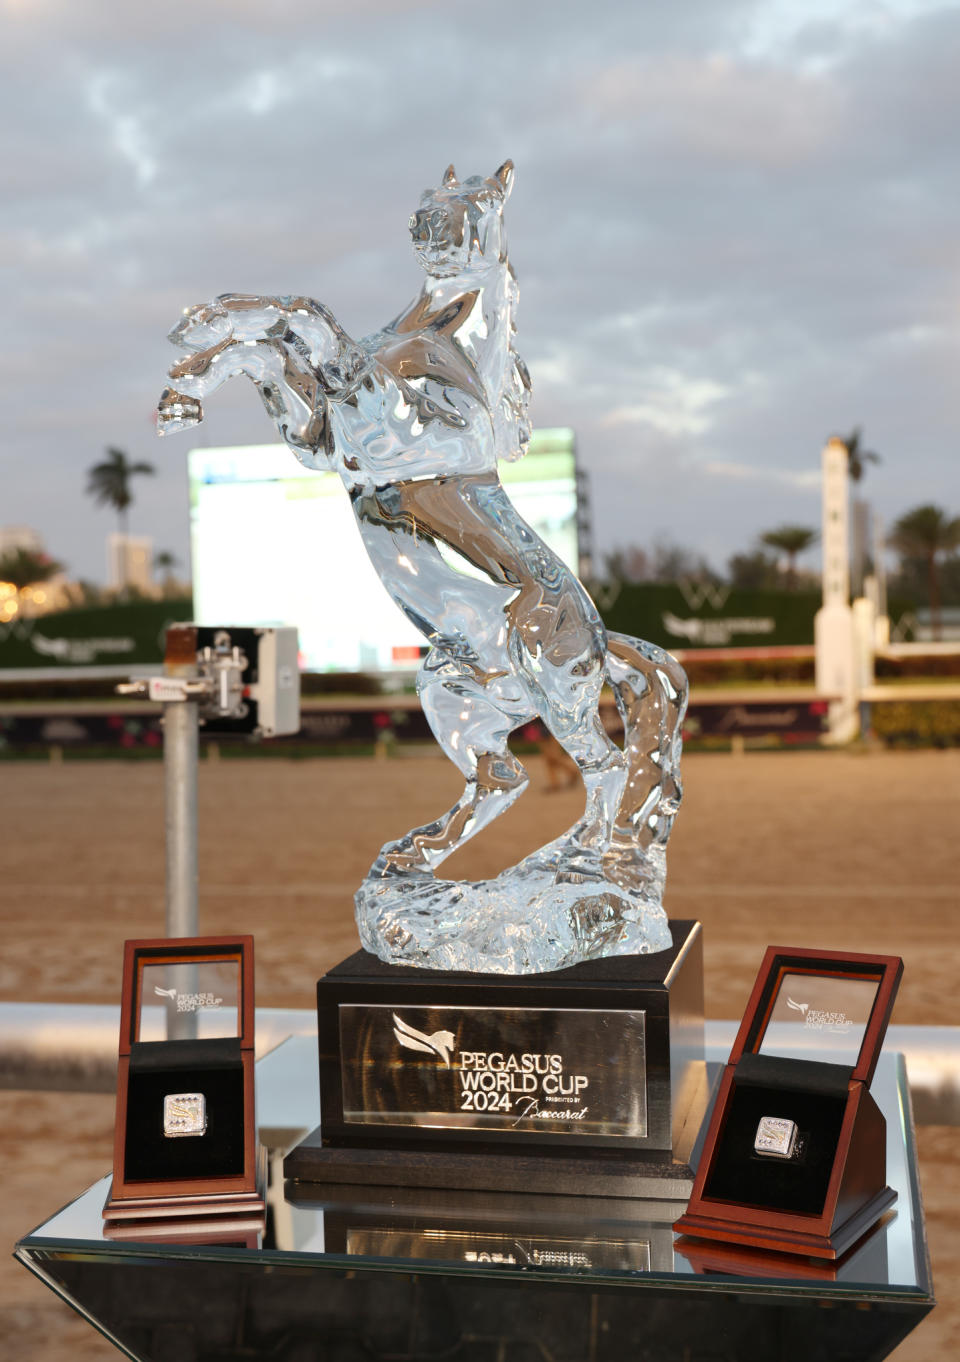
440, 1043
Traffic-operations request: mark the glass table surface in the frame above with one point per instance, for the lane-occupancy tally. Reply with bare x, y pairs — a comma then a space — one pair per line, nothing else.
608, 1239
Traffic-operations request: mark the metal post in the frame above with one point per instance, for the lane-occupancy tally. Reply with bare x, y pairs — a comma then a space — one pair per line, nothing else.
180, 755
180, 744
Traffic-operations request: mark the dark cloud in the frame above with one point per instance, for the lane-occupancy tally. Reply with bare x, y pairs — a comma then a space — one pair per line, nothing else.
735, 227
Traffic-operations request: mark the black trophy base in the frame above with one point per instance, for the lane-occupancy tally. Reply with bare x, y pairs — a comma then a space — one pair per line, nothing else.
535, 1083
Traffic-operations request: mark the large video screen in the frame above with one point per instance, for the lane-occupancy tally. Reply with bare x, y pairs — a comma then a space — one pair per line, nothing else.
275, 543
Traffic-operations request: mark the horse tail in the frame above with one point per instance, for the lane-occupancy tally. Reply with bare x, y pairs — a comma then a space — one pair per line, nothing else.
651, 692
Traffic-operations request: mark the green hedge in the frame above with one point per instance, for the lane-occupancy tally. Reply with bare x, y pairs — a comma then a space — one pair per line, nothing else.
919, 723
78, 638
649, 609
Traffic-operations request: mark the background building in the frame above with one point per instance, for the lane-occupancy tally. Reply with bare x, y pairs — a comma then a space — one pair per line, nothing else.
130, 563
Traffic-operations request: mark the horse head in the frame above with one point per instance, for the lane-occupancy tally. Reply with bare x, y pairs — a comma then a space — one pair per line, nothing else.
459, 225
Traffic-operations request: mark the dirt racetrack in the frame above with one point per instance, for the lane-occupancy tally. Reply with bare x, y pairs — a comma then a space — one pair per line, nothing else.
805, 849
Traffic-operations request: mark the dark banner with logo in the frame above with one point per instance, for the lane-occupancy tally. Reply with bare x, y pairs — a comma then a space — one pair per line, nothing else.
790, 720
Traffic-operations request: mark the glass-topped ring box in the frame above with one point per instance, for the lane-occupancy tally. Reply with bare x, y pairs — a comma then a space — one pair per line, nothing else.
795, 1154
186, 1117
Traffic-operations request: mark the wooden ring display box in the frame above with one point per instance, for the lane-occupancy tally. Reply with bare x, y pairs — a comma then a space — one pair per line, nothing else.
186, 1137
805, 1053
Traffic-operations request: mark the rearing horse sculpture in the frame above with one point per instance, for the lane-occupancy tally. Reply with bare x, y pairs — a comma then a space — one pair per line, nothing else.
414, 419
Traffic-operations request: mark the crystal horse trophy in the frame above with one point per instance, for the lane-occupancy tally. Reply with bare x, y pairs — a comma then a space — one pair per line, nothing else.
414, 419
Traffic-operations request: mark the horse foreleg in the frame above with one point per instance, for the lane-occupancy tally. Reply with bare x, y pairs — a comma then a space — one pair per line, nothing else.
203, 372
194, 378
290, 392
472, 722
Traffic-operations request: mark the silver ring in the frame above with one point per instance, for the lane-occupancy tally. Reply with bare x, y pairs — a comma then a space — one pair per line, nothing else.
776, 1137
184, 1113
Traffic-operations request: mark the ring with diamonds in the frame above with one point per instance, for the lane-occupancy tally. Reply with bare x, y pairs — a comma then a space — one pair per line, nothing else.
776, 1137
184, 1113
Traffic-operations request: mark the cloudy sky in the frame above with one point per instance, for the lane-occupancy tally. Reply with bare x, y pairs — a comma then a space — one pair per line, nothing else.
736, 226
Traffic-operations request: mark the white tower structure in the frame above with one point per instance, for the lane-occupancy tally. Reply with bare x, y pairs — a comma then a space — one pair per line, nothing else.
882, 624
129, 562
833, 630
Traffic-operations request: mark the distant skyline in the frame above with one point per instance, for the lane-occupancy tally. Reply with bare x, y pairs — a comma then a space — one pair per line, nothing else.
736, 229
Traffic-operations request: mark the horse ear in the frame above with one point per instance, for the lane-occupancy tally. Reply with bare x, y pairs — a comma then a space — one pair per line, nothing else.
450, 175
504, 178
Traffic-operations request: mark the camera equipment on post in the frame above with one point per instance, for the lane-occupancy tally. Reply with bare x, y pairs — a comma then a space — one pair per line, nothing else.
239, 680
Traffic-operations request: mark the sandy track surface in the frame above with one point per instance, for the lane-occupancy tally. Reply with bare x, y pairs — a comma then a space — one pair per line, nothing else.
804, 849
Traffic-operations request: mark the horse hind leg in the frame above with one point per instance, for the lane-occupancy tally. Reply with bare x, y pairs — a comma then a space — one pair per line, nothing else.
472, 723
651, 691
569, 707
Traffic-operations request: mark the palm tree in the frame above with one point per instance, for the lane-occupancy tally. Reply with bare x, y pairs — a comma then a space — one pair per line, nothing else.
109, 485
857, 456
164, 561
109, 482
926, 532
857, 460
24, 568
791, 540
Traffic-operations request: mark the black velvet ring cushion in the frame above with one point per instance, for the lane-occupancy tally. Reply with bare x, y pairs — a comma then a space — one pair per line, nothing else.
811, 1094
157, 1069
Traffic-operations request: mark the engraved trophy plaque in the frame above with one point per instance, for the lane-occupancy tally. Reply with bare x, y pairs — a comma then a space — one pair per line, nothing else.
415, 419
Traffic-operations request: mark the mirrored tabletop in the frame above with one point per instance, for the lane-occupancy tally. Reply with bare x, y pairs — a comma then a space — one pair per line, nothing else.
317, 1239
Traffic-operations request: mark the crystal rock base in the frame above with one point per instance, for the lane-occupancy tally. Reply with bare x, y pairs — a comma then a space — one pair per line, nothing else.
522, 922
